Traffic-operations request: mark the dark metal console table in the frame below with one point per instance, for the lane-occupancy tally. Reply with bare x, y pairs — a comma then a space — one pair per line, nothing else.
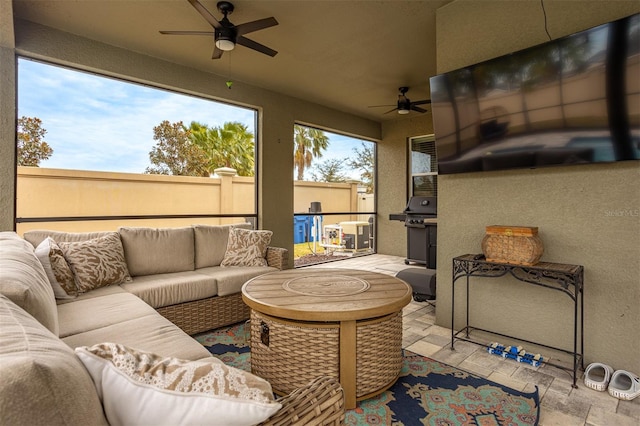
567, 279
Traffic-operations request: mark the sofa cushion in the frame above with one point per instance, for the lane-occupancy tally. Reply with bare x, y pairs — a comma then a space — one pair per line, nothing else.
36, 236
42, 381
99, 292
138, 387
57, 269
151, 333
170, 289
211, 243
24, 281
158, 250
96, 263
246, 248
231, 279
98, 312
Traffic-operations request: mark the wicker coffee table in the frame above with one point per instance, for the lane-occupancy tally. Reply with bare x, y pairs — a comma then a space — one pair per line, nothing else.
341, 323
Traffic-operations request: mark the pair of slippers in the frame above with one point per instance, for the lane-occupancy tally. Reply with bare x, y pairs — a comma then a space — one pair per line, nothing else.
621, 384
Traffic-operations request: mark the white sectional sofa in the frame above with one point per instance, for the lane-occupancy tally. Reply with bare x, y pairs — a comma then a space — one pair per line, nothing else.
178, 271
43, 381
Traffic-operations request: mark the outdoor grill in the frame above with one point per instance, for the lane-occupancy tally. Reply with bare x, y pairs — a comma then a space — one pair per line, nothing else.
421, 223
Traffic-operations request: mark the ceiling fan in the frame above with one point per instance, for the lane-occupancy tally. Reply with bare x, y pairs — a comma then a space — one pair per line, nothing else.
226, 35
404, 104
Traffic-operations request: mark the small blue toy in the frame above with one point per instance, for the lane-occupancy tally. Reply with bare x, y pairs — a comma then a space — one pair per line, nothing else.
516, 353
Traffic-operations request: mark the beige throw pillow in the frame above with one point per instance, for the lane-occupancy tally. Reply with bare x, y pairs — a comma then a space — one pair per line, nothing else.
139, 387
57, 269
246, 248
96, 263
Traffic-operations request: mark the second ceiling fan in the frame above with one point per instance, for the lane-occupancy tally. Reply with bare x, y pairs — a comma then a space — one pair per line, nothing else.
404, 104
226, 35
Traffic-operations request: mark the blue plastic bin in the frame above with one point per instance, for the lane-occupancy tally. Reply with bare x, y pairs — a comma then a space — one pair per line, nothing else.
300, 229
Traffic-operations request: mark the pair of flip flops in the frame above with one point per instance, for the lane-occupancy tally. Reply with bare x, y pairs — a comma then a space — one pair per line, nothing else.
621, 383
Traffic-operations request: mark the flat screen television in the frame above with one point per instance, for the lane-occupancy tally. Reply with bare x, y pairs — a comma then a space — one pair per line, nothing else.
573, 100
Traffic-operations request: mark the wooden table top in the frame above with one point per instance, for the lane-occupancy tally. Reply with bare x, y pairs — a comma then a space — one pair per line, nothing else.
326, 294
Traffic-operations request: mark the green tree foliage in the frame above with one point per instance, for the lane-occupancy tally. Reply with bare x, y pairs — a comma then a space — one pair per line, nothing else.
31, 147
175, 154
329, 171
231, 145
364, 162
308, 144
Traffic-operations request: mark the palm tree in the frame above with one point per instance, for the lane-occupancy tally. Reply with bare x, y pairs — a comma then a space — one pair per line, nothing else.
231, 145
309, 144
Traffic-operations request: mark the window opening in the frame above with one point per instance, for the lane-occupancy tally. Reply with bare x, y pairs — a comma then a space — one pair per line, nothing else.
122, 153
334, 196
423, 167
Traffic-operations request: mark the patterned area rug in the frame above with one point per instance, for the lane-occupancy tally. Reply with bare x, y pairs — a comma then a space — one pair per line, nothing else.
427, 393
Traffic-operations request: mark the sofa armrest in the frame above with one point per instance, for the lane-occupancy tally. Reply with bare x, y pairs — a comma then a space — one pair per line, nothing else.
321, 402
278, 257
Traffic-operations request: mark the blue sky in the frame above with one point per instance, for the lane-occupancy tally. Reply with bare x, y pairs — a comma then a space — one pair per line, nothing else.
104, 124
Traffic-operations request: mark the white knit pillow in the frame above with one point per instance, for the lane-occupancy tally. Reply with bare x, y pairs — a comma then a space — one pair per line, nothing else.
141, 388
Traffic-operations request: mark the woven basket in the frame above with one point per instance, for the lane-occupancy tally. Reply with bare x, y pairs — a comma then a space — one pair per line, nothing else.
298, 352
517, 245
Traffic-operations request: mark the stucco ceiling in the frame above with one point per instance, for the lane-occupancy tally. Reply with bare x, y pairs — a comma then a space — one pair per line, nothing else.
347, 55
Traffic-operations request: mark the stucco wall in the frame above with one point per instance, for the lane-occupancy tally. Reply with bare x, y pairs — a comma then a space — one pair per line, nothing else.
279, 113
7, 116
129, 195
7, 138
587, 215
392, 179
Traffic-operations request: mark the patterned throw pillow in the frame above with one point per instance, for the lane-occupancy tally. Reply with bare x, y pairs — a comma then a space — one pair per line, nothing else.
138, 387
96, 263
246, 248
57, 269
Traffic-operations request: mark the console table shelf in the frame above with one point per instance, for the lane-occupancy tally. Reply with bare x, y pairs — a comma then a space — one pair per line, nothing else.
567, 279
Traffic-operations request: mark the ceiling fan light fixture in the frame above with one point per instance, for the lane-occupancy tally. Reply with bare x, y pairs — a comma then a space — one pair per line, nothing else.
225, 44
403, 111
225, 37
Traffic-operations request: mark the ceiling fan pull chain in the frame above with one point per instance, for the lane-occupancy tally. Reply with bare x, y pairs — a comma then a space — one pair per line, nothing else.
229, 82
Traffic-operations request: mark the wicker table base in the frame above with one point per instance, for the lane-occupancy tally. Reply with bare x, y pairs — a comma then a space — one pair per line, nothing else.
339, 323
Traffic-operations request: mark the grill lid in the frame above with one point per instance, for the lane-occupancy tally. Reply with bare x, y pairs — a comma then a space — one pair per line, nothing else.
422, 205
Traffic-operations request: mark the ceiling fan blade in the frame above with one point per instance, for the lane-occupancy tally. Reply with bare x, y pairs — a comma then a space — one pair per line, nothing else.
209, 33
418, 109
217, 53
256, 46
377, 106
260, 24
205, 13
391, 110
426, 101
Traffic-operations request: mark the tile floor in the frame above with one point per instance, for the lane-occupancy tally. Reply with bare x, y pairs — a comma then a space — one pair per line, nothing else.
561, 404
